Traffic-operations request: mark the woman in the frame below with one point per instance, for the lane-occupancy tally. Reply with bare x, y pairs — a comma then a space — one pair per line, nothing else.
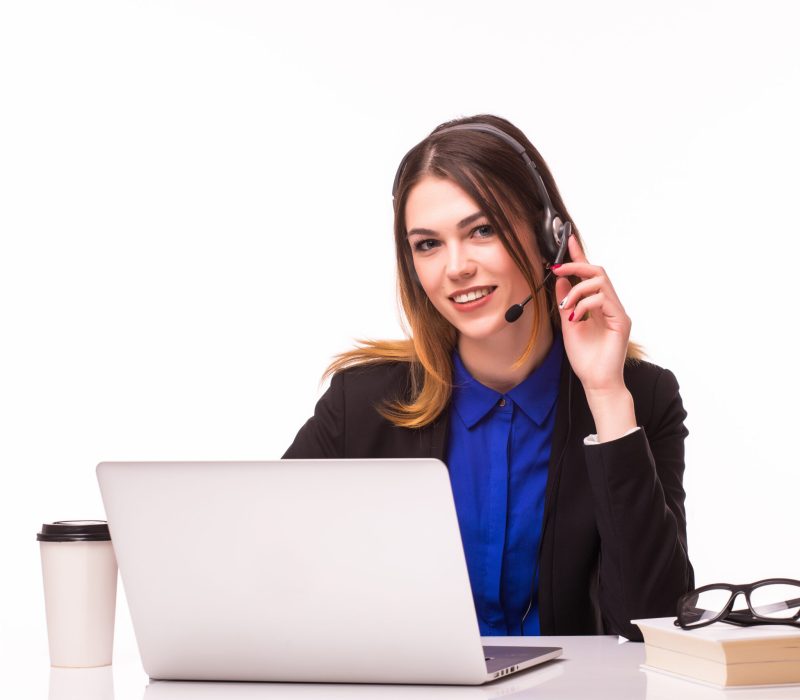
564, 448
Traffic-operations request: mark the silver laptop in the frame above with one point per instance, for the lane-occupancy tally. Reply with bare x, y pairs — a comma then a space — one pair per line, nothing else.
346, 571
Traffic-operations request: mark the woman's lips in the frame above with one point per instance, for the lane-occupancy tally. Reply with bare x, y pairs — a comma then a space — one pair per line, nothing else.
475, 304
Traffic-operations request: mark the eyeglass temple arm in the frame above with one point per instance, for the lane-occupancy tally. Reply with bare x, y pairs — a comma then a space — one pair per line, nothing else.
771, 607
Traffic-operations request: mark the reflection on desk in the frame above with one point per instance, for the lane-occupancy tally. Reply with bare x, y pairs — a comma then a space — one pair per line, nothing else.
510, 687
83, 683
598, 668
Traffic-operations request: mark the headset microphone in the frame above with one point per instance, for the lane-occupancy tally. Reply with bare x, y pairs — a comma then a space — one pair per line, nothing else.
514, 312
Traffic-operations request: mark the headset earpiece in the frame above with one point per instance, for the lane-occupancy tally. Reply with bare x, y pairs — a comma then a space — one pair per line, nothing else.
561, 238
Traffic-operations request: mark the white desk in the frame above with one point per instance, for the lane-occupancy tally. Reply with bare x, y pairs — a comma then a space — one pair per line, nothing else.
591, 668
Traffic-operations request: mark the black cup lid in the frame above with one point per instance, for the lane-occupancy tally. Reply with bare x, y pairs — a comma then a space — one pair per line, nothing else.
74, 531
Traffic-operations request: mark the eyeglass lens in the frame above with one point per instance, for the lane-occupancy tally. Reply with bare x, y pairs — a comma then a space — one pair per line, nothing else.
776, 600
703, 606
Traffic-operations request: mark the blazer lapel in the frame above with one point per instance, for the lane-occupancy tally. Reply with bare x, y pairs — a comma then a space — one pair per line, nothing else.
563, 426
565, 408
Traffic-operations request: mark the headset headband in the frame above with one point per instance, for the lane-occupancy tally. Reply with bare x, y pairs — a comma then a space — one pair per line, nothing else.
550, 240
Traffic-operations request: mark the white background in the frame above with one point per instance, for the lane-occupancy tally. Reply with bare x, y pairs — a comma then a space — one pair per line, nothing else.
195, 215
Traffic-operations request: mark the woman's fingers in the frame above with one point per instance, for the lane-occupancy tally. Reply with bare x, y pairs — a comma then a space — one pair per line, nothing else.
596, 301
594, 280
563, 288
580, 290
610, 312
576, 253
593, 292
578, 269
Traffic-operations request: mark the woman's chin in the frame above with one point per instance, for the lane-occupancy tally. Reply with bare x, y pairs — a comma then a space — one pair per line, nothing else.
481, 329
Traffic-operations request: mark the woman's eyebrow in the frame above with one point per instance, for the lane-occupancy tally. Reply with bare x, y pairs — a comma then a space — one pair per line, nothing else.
466, 221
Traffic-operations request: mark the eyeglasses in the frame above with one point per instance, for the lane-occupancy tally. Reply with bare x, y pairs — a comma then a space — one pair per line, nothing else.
773, 601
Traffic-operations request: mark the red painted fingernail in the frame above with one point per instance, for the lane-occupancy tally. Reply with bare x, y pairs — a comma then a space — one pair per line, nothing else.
555, 267
572, 315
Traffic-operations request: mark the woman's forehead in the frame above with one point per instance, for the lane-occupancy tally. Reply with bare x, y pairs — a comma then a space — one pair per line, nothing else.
435, 199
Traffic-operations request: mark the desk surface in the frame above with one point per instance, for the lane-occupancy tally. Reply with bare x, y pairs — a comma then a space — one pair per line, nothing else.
594, 668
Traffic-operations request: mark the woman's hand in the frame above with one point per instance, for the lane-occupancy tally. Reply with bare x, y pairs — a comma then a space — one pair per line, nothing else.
596, 330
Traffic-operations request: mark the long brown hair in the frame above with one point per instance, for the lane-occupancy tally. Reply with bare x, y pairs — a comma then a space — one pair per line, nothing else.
502, 186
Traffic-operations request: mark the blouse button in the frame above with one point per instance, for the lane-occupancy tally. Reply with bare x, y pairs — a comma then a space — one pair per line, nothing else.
502, 402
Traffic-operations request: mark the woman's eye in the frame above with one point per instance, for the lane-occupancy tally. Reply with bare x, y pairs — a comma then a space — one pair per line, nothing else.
483, 231
425, 245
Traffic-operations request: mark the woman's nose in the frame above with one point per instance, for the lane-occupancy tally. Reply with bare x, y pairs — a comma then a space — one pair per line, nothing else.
459, 264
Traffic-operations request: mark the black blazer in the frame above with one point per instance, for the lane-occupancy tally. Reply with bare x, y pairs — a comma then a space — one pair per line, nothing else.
614, 536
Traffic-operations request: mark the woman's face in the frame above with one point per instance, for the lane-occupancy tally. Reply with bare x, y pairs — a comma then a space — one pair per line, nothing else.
464, 269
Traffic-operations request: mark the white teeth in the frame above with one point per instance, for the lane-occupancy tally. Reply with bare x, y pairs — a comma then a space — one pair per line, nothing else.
472, 296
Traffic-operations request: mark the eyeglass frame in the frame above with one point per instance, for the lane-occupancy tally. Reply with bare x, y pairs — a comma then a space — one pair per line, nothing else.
740, 617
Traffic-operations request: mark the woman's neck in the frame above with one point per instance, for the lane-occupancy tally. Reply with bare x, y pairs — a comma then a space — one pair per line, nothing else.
490, 360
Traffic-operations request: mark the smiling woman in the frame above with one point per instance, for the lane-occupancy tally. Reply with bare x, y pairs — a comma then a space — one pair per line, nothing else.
565, 449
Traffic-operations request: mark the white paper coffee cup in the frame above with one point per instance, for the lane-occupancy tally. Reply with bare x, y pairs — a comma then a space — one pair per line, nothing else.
79, 571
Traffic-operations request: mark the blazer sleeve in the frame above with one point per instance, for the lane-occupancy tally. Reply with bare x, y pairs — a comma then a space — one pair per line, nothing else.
637, 485
322, 435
